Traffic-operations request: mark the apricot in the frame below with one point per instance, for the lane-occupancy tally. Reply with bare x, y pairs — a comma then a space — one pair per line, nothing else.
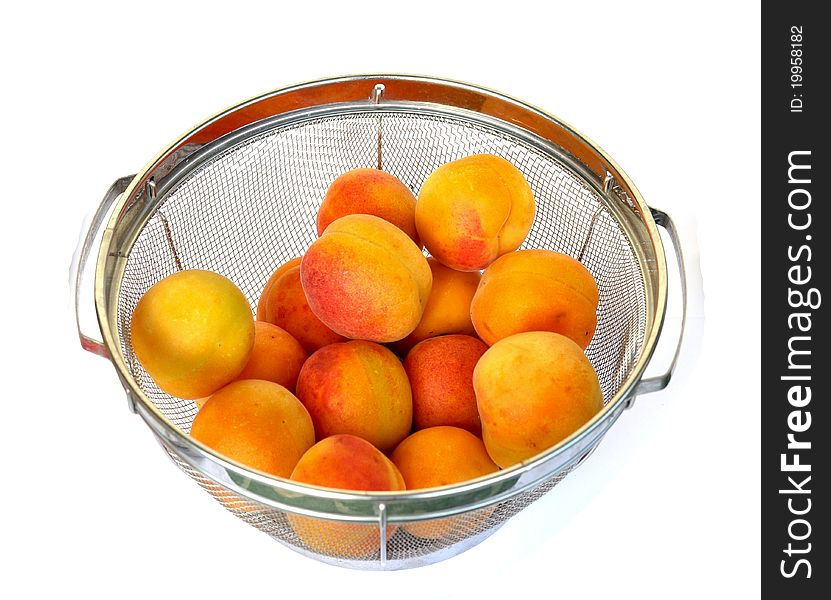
533, 390
369, 192
276, 356
473, 210
536, 290
440, 370
287, 307
344, 462
257, 423
448, 306
440, 456
347, 462
359, 388
365, 279
262, 302
192, 332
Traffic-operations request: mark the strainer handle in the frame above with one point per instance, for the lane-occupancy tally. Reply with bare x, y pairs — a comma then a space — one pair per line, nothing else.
655, 384
82, 255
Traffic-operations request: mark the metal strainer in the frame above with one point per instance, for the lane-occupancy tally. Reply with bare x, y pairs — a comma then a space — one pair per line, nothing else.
238, 195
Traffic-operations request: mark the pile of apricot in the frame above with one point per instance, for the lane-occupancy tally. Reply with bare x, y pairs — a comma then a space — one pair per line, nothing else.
369, 365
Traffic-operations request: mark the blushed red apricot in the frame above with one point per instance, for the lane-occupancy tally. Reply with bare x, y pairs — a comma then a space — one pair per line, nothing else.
440, 370
369, 192
344, 462
365, 279
359, 388
288, 307
262, 302
473, 210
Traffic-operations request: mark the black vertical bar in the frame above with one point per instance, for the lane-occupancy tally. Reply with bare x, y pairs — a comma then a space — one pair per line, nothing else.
796, 226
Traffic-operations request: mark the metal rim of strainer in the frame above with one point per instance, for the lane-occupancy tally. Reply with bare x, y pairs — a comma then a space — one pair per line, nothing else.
413, 93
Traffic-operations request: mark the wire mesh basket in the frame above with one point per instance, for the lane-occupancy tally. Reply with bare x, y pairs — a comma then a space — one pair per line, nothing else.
238, 195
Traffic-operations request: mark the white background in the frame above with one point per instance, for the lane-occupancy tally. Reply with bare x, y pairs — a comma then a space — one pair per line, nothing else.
668, 506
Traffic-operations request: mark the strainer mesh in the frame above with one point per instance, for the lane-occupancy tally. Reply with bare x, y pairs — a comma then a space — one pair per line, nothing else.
252, 207
360, 542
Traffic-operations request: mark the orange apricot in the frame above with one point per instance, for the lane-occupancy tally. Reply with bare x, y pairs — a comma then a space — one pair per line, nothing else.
257, 423
536, 290
533, 390
276, 356
448, 306
440, 456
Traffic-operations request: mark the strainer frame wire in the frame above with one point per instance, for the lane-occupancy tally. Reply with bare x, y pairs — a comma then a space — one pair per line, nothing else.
396, 507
